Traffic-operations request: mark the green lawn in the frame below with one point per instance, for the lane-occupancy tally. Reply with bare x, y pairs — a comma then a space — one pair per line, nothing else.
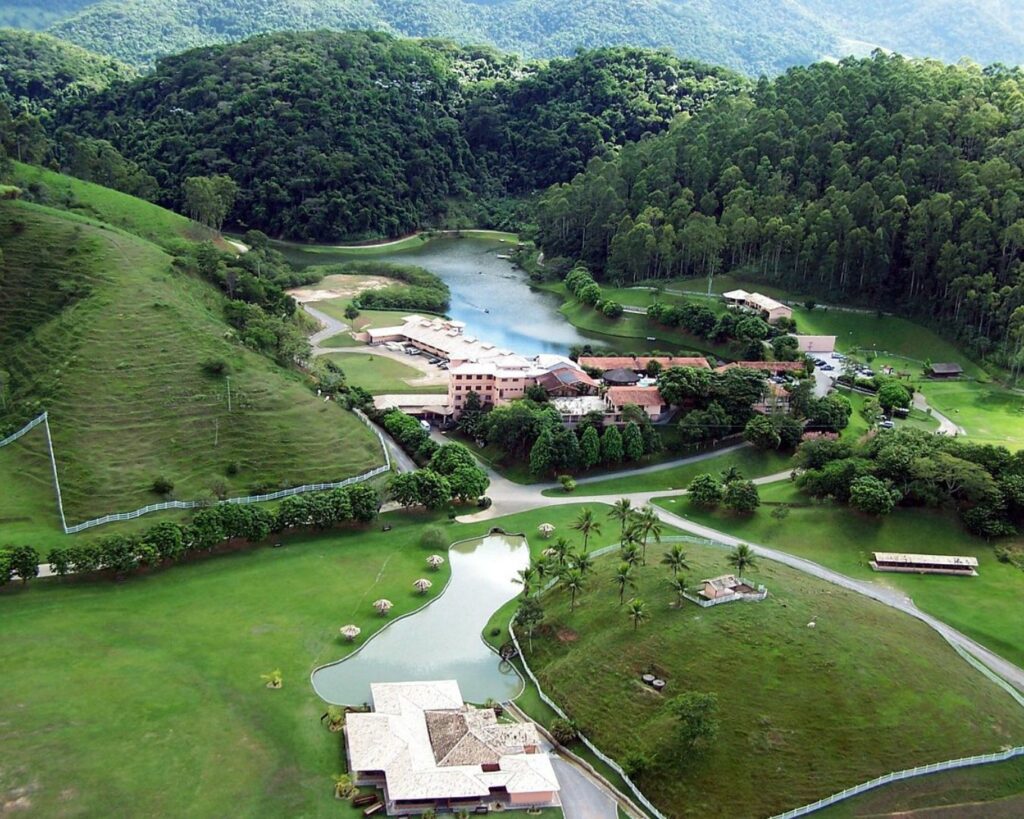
121, 371
751, 462
635, 326
147, 692
986, 607
341, 340
983, 792
379, 374
335, 308
989, 413
804, 711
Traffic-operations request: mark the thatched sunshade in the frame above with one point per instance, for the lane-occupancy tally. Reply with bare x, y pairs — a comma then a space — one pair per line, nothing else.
422, 585
350, 632
383, 606
546, 529
435, 562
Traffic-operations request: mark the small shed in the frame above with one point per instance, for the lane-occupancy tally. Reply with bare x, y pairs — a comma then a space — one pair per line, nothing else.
946, 370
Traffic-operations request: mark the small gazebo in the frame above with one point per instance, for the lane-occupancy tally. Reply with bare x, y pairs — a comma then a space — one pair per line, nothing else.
350, 632
546, 530
620, 377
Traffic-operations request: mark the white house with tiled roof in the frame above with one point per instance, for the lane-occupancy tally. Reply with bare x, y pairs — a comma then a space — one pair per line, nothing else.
426, 749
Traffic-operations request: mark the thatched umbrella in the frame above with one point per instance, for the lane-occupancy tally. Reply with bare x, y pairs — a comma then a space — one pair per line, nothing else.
435, 562
383, 606
350, 632
550, 552
546, 530
422, 585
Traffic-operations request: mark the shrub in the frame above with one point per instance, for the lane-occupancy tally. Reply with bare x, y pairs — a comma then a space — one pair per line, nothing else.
567, 482
636, 763
216, 367
564, 731
162, 485
484, 502
434, 538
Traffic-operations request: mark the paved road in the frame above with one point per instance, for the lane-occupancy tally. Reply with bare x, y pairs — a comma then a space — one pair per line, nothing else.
946, 426
329, 327
581, 797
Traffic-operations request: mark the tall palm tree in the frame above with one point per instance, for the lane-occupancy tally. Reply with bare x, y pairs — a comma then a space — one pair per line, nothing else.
525, 578
572, 582
561, 549
731, 474
742, 558
635, 539
630, 554
638, 612
543, 568
621, 511
623, 578
649, 525
587, 524
583, 562
675, 559
678, 585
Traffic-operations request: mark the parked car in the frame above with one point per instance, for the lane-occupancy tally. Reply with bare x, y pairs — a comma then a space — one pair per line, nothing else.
828, 368
887, 425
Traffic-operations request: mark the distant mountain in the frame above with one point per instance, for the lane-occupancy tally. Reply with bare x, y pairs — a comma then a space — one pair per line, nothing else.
753, 36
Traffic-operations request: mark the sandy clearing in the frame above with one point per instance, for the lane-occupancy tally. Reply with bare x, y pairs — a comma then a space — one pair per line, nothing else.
339, 287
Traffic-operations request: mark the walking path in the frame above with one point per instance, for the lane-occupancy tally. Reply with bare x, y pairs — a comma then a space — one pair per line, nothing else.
946, 426
330, 327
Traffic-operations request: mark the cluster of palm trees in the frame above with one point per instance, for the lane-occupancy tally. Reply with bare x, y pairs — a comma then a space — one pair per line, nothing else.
569, 569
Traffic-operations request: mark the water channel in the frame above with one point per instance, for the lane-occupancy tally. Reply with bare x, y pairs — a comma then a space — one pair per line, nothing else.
443, 640
489, 293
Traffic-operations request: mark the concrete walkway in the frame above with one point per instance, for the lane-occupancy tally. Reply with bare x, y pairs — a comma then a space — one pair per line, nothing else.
330, 327
946, 426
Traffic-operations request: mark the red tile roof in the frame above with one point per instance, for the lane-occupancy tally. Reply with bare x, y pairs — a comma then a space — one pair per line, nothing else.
640, 362
641, 396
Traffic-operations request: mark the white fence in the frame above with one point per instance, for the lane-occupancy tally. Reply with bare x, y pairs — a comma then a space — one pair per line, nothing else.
704, 603
157, 507
898, 776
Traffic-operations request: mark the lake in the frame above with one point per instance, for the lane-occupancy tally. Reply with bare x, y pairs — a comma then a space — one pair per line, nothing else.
489, 294
442, 641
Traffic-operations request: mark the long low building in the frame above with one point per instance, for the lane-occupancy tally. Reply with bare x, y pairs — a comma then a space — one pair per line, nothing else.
924, 564
428, 750
440, 337
759, 303
639, 363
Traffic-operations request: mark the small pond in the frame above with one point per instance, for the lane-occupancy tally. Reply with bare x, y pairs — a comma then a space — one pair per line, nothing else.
489, 294
442, 641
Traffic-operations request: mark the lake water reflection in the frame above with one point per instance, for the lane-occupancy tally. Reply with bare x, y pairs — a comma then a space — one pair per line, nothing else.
442, 641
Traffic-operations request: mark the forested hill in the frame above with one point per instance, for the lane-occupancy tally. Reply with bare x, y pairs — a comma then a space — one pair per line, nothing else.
753, 36
38, 70
884, 181
349, 135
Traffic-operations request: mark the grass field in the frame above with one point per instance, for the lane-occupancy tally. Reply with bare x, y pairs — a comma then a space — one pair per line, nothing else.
305, 254
804, 712
753, 463
147, 692
986, 607
133, 215
379, 374
984, 792
99, 329
989, 413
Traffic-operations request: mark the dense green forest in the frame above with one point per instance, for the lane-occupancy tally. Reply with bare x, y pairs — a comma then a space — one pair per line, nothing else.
882, 181
753, 36
351, 135
39, 71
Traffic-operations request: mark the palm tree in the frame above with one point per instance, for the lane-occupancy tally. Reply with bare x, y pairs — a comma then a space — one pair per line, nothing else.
635, 540
561, 549
525, 578
742, 558
638, 612
675, 559
624, 578
621, 511
543, 568
731, 474
343, 786
572, 582
678, 585
648, 524
586, 524
630, 554
583, 562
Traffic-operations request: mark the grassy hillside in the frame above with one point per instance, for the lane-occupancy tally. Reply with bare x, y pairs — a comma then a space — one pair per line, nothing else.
803, 712
144, 219
97, 327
